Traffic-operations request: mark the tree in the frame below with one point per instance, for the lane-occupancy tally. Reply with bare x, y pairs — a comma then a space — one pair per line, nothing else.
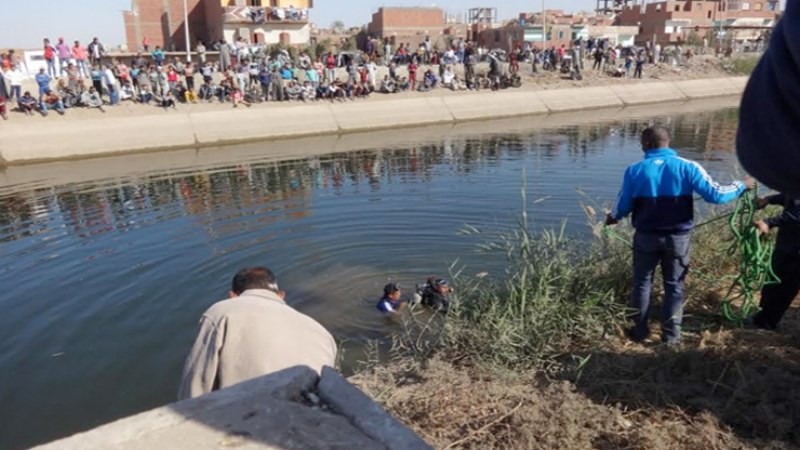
337, 26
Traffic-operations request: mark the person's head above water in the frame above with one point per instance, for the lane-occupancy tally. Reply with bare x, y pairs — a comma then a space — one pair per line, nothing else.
654, 138
254, 278
391, 291
439, 284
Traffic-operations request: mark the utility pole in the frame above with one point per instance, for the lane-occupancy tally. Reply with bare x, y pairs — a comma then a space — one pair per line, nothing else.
544, 27
186, 29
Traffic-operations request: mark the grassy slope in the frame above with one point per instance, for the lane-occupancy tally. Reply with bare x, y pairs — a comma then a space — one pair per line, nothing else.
539, 361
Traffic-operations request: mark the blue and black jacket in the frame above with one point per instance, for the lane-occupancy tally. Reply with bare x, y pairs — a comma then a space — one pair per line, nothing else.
658, 191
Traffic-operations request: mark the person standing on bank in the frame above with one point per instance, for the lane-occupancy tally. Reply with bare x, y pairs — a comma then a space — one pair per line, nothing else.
252, 334
776, 298
658, 191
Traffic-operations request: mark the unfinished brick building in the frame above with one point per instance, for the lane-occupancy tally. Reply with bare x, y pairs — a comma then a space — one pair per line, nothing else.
672, 21
261, 21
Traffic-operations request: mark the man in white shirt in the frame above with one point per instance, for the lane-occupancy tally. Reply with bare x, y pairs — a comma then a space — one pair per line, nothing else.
252, 334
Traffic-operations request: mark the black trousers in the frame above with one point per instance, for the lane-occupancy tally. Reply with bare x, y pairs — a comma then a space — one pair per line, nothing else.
776, 299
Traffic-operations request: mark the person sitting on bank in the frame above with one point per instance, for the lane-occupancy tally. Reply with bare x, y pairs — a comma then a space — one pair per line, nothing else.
434, 295
92, 99
388, 86
391, 302
51, 100
776, 298
28, 104
253, 333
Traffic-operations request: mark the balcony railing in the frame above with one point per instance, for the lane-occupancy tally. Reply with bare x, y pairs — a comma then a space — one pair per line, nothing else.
260, 15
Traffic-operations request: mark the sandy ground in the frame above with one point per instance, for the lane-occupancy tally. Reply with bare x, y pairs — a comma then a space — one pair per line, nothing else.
698, 68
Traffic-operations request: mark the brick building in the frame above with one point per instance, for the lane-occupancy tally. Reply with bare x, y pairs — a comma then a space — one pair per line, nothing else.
412, 25
673, 21
161, 22
259, 21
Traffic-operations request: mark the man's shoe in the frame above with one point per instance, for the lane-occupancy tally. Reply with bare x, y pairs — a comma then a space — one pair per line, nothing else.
633, 336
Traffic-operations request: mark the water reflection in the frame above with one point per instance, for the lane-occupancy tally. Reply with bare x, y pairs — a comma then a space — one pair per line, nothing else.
115, 272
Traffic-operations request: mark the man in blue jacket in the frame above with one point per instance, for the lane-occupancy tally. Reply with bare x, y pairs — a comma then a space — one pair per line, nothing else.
658, 191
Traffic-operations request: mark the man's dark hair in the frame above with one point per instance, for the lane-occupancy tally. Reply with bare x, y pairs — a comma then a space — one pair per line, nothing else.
390, 288
655, 137
254, 278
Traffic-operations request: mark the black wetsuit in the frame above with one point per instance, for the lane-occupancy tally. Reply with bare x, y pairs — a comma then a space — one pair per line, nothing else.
776, 298
435, 300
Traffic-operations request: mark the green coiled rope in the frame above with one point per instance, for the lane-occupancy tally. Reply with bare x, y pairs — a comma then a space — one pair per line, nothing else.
755, 266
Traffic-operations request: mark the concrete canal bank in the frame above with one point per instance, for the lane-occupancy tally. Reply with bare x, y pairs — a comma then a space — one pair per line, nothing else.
293, 408
27, 142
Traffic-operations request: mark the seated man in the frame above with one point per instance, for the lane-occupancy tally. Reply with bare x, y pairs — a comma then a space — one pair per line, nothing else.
28, 104
180, 92
92, 99
68, 96
51, 100
254, 333
434, 294
388, 86
207, 91
293, 91
403, 85
190, 96
168, 100
430, 79
391, 302
145, 94
309, 93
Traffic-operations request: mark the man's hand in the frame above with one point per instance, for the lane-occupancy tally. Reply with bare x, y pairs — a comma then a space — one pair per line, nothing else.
762, 203
750, 183
611, 220
762, 226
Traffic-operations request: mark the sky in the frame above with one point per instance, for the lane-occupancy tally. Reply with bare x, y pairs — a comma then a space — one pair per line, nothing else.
84, 19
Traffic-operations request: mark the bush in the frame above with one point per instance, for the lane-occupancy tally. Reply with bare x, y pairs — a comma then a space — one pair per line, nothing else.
744, 65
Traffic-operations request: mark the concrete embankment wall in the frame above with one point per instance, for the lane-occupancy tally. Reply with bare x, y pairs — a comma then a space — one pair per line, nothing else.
32, 142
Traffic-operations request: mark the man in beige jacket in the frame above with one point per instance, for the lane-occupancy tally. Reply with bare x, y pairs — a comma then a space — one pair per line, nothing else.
254, 333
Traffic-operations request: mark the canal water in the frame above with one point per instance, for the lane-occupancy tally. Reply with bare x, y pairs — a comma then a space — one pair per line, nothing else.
103, 281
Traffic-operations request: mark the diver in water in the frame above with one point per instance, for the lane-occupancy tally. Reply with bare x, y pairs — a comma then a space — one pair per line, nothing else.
391, 303
434, 294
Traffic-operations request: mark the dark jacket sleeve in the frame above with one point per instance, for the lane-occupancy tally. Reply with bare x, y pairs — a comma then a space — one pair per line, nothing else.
790, 216
769, 120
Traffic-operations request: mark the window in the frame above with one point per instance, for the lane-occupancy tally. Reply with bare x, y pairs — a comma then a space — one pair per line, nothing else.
687, 6
254, 3
758, 6
677, 7
699, 6
772, 6
561, 35
658, 7
745, 6
497, 36
709, 14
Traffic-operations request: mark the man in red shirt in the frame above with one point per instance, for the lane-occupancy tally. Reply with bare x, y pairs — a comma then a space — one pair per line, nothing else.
412, 75
50, 57
330, 68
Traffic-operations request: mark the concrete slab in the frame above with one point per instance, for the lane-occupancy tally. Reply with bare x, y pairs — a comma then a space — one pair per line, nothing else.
49, 138
367, 415
257, 414
714, 87
492, 105
644, 93
390, 113
575, 99
244, 124
739, 82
